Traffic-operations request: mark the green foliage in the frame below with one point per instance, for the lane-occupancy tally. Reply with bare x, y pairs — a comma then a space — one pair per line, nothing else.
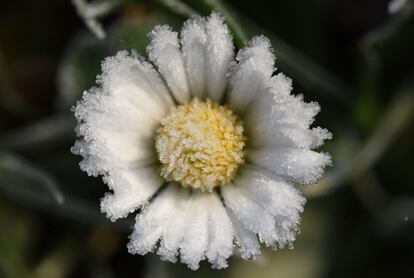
49, 212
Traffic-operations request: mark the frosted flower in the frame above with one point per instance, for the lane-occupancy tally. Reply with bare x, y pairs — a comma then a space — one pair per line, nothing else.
208, 147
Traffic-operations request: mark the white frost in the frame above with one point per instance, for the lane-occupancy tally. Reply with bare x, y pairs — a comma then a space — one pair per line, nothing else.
251, 75
164, 51
193, 227
116, 122
283, 120
294, 164
220, 51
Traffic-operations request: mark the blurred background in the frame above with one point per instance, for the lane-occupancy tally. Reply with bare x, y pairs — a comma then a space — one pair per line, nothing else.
354, 57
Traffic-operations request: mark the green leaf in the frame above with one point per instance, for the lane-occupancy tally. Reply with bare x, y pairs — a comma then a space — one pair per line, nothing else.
178, 7
132, 32
39, 135
33, 179
33, 187
80, 65
294, 63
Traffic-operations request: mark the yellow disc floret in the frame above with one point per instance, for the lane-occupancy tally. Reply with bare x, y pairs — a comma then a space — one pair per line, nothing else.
200, 145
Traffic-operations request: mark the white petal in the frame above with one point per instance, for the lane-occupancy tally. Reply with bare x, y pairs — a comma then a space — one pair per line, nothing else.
194, 47
111, 138
279, 106
116, 122
176, 226
129, 75
252, 73
164, 51
267, 134
220, 51
277, 197
246, 240
251, 215
132, 188
198, 227
220, 245
194, 244
151, 222
279, 119
113, 146
298, 165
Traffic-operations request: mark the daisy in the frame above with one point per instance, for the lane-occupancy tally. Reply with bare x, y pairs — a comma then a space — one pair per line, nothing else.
208, 147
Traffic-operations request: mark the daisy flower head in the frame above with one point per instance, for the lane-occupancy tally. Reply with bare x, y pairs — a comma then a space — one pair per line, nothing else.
208, 146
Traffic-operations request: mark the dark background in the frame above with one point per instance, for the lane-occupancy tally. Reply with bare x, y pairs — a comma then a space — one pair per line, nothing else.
351, 56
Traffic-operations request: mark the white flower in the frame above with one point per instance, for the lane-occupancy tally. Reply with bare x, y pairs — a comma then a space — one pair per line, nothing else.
207, 146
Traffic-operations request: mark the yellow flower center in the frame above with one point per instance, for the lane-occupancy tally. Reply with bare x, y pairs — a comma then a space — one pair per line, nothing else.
200, 145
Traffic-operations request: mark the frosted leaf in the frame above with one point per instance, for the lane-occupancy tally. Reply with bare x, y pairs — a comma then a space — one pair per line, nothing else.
90, 12
252, 73
395, 6
220, 51
164, 51
297, 165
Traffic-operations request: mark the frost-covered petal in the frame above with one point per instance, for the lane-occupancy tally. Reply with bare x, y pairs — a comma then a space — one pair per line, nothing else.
164, 51
113, 133
279, 119
208, 49
246, 240
132, 188
150, 222
277, 197
253, 217
194, 48
194, 244
279, 106
220, 242
128, 74
298, 165
199, 228
175, 228
252, 73
220, 51
116, 122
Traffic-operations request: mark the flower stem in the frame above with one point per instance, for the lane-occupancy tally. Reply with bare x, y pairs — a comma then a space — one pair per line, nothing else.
179, 7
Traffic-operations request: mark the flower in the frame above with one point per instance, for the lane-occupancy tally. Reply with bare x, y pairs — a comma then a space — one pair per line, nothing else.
208, 147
